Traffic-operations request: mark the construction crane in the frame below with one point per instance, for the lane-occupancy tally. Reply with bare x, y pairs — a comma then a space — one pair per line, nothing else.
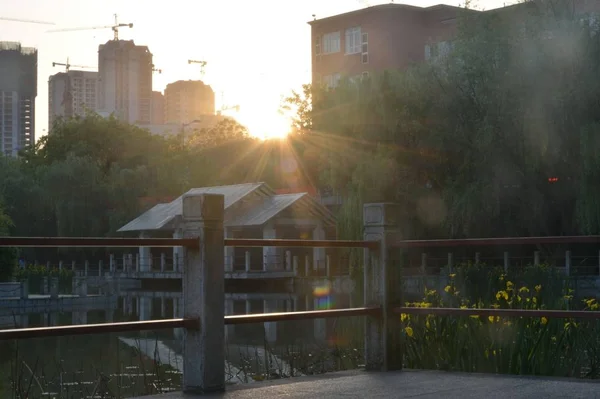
27, 21
115, 28
226, 107
68, 65
202, 65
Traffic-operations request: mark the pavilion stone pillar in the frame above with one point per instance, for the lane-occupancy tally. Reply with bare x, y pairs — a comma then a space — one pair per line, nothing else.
320, 325
229, 329
270, 306
79, 317
229, 252
145, 308
319, 254
177, 313
145, 254
271, 255
178, 251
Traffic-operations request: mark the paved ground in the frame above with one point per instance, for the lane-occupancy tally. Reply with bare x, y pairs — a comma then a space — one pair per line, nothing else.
409, 384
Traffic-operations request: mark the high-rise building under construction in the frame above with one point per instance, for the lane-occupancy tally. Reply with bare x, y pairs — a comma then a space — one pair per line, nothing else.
71, 93
125, 81
18, 89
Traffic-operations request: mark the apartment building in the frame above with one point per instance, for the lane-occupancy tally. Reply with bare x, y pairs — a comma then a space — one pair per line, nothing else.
188, 100
125, 81
71, 93
373, 39
158, 108
394, 36
18, 89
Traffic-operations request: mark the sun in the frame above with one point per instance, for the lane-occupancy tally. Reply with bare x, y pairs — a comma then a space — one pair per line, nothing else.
265, 125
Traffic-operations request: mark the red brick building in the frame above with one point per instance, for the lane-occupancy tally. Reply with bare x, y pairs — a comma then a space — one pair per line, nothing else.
387, 36
393, 36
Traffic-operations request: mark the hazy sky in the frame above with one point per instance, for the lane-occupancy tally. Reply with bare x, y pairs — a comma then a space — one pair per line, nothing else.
256, 51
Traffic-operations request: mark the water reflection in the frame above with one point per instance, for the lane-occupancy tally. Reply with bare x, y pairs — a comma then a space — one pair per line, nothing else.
150, 362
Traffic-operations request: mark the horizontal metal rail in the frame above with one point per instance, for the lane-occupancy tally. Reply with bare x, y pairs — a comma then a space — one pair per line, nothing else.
174, 242
551, 314
84, 329
375, 311
22, 242
41, 332
302, 315
468, 242
245, 242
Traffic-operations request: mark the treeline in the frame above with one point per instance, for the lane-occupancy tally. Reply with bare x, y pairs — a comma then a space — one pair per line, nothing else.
91, 175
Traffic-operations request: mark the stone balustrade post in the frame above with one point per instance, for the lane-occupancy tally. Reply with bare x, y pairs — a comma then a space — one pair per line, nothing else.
204, 294
248, 260
382, 287
54, 287
24, 289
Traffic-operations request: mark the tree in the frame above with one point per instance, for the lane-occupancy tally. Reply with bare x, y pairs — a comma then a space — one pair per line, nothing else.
468, 142
8, 256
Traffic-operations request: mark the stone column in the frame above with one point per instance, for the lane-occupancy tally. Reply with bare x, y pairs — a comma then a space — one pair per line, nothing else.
271, 255
162, 308
178, 251
383, 285
79, 317
204, 294
320, 325
229, 330
319, 254
270, 306
145, 255
54, 287
145, 308
229, 252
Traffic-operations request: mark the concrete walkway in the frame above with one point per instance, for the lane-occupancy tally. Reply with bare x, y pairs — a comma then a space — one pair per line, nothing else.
408, 384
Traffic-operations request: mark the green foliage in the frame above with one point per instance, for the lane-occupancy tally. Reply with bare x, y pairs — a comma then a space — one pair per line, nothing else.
91, 175
8, 256
525, 346
467, 141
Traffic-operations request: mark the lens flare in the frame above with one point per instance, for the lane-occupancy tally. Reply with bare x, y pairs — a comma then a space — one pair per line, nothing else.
323, 297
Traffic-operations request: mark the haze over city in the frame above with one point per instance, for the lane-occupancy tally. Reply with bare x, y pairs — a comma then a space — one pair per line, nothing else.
257, 52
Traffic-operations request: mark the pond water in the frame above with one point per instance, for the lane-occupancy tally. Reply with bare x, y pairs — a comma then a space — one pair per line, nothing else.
141, 363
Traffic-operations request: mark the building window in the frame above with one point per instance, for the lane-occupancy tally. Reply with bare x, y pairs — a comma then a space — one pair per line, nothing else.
365, 48
353, 40
332, 81
331, 43
318, 45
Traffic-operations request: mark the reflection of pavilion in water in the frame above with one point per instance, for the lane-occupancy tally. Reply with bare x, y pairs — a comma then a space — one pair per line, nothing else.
140, 305
159, 305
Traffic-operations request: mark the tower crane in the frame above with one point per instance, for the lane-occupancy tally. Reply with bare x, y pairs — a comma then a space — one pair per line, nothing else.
27, 21
68, 65
115, 28
226, 107
202, 65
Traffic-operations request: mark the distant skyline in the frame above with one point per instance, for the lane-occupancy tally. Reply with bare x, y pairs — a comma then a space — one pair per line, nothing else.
257, 51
